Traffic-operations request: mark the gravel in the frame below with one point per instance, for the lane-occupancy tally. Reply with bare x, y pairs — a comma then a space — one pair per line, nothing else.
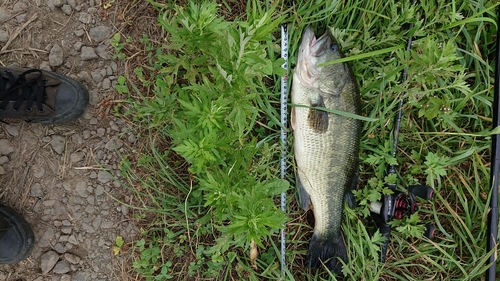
100, 33
48, 261
59, 177
56, 56
88, 53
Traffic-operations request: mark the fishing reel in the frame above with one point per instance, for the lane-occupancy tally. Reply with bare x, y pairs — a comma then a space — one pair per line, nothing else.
396, 206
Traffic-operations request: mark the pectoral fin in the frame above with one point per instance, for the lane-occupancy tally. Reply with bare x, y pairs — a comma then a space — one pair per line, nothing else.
317, 118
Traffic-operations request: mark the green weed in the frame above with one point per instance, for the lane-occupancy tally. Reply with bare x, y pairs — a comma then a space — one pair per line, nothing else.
207, 104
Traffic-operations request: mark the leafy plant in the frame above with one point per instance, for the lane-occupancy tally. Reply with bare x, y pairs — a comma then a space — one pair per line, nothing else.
206, 107
118, 245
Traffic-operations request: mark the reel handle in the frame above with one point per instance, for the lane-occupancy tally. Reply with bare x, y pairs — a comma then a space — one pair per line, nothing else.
423, 191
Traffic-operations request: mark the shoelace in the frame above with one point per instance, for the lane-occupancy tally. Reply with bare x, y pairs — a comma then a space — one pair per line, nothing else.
21, 90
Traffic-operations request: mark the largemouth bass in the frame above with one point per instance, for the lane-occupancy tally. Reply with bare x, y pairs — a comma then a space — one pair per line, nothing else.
326, 145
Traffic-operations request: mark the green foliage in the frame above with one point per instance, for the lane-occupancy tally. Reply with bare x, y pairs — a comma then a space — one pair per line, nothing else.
209, 108
207, 95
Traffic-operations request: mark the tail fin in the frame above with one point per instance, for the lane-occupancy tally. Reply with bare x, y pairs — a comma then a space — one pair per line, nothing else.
328, 251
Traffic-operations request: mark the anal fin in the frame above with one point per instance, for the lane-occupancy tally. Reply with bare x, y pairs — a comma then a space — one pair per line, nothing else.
349, 196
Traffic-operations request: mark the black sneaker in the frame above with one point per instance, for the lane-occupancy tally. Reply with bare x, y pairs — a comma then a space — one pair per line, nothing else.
40, 96
16, 236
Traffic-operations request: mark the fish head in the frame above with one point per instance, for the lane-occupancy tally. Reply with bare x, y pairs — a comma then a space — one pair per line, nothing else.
314, 51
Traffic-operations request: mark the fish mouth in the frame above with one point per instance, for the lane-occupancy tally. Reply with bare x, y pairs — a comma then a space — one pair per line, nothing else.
313, 46
309, 50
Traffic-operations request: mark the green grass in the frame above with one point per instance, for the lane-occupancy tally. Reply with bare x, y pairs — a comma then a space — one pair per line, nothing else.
206, 105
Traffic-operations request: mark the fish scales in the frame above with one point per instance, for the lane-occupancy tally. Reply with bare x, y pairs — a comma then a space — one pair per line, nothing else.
326, 145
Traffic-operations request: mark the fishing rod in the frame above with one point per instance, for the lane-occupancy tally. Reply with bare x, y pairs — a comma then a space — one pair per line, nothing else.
495, 163
399, 204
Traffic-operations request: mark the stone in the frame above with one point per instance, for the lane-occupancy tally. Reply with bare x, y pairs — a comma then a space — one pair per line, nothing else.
88, 228
81, 188
132, 138
77, 139
84, 75
80, 276
36, 190
58, 3
56, 56
59, 248
38, 171
50, 5
4, 14
45, 65
21, 18
114, 66
2, 171
61, 267
101, 132
99, 190
93, 98
72, 239
78, 46
5, 147
73, 259
107, 224
4, 159
66, 230
4, 36
124, 210
88, 53
49, 203
67, 9
85, 18
12, 130
19, 6
97, 222
58, 143
102, 52
104, 177
72, 3
100, 33
79, 32
114, 144
106, 83
48, 261
96, 76
46, 238
76, 157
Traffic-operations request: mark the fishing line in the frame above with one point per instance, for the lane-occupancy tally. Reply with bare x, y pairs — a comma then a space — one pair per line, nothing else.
283, 135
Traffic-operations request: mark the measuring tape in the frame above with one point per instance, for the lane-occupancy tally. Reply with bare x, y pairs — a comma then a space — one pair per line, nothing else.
284, 122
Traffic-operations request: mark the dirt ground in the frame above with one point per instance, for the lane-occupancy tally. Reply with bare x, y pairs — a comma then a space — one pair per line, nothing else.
61, 177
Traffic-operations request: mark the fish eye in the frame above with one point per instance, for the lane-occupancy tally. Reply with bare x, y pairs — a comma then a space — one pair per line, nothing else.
334, 47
